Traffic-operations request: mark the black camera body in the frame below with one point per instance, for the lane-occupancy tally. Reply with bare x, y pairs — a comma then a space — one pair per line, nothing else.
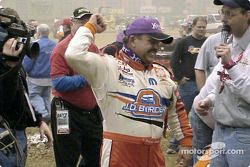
11, 27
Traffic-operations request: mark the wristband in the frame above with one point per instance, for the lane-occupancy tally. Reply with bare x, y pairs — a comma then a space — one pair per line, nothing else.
229, 64
91, 27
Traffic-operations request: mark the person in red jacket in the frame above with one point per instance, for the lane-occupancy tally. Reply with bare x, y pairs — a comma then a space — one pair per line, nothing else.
75, 118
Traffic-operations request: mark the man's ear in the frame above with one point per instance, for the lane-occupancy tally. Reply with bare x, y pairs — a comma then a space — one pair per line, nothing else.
131, 41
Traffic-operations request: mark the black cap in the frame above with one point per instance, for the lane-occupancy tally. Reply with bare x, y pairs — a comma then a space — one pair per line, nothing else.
245, 4
164, 38
80, 12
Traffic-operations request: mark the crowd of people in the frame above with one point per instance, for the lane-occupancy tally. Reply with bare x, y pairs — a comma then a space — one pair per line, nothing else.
111, 106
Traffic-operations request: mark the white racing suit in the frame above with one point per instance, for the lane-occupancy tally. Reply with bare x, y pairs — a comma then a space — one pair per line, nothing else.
134, 101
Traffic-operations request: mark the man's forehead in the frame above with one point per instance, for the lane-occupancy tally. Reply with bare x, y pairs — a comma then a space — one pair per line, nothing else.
148, 37
79, 20
229, 8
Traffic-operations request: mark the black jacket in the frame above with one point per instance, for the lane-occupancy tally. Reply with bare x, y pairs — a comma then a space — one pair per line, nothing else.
13, 104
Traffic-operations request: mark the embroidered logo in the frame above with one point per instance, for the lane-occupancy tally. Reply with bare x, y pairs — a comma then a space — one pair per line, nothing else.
146, 104
124, 70
155, 26
126, 81
152, 81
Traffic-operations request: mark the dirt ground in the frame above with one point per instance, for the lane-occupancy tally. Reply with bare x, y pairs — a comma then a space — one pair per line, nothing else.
39, 155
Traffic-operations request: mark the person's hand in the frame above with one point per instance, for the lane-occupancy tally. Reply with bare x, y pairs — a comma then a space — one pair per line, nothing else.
99, 23
183, 80
45, 130
184, 156
202, 106
223, 51
9, 47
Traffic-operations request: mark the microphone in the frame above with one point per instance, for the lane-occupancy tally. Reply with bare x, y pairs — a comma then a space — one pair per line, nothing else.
225, 33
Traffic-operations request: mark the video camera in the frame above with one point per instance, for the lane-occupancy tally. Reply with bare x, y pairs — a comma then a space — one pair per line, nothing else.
11, 27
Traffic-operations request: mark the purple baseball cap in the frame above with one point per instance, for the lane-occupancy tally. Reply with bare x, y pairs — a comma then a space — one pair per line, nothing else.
245, 4
120, 36
150, 26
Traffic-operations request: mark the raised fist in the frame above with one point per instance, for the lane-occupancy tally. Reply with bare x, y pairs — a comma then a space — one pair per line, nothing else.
98, 22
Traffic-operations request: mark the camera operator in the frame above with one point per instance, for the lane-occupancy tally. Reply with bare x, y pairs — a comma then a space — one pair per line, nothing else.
16, 113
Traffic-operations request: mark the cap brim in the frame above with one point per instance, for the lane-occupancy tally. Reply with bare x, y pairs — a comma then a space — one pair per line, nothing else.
228, 3
218, 2
80, 16
164, 38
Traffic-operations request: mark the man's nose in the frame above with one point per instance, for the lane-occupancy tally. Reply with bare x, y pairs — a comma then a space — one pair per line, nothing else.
224, 19
156, 45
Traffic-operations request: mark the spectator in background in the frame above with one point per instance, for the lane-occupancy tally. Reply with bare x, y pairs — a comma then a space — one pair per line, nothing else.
66, 27
38, 71
114, 48
206, 59
75, 99
203, 125
182, 63
32, 23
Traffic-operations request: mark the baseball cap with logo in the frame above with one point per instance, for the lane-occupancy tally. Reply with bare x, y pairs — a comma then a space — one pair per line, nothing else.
150, 26
245, 4
80, 12
67, 21
120, 36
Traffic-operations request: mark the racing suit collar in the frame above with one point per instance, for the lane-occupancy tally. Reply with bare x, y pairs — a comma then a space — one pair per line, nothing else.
129, 57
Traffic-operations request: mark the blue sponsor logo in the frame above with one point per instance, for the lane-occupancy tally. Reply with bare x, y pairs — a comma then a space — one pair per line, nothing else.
148, 104
152, 81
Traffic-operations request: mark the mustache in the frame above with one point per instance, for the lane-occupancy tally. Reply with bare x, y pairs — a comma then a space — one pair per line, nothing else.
153, 50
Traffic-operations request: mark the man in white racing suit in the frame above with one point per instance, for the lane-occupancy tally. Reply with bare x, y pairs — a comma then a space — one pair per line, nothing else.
134, 94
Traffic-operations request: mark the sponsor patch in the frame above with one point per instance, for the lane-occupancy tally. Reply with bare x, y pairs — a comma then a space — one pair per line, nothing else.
125, 81
125, 71
152, 81
146, 104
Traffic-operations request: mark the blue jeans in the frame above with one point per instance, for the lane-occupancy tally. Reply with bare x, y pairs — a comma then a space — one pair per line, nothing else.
173, 143
8, 158
188, 91
231, 146
40, 98
202, 134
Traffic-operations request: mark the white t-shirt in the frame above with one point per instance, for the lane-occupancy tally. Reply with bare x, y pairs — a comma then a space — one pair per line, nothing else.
206, 59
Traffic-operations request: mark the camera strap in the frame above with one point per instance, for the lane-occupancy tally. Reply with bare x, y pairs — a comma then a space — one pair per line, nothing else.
11, 70
9, 58
29, 104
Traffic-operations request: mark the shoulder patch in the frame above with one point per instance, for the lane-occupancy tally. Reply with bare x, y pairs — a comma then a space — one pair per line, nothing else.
158, 65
